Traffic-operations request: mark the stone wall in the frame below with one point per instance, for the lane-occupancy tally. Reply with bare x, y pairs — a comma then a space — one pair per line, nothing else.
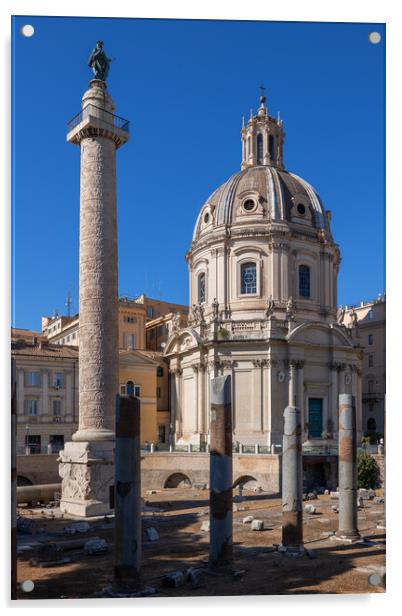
158, 468
38, 468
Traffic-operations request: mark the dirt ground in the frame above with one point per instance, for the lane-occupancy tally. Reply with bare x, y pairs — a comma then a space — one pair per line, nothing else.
177, 514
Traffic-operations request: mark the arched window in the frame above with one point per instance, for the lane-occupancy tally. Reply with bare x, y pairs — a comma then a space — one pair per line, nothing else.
201, 288
371, 424
271, 149
260, 151
248, 276
304, 281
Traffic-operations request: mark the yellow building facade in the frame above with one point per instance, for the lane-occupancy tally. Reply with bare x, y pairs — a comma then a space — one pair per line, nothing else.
145, 375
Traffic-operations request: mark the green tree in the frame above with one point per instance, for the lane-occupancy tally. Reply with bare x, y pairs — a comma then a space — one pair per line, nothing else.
367, 471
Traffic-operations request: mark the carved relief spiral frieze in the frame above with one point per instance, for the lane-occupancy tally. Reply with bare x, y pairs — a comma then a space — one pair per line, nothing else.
98, 331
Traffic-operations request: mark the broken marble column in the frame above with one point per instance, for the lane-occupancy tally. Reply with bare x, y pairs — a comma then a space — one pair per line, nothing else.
86, 464
127, 496
347, 454
292, 481
221, 473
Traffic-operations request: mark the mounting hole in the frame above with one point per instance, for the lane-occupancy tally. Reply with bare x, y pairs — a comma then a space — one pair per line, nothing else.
27, 30
374, 37
27, 585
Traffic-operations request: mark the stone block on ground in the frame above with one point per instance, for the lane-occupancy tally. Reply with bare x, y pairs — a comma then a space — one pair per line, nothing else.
96, 546
310, 509
205, 526
195, 575
26, 526
334, 495
366, 494
257, 525
378, 500
360, 501
77, 527
248, 519
174, 579
311, 496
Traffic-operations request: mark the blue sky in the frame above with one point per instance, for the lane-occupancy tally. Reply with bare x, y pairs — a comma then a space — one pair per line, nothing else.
184, 86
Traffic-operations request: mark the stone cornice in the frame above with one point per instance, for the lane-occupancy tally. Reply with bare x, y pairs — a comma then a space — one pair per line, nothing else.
98, 131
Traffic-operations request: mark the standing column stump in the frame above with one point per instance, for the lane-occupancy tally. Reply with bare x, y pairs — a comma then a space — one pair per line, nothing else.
292, 482
347, 452
221, 474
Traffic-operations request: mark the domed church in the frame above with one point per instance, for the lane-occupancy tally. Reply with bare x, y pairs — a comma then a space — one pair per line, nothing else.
263, 269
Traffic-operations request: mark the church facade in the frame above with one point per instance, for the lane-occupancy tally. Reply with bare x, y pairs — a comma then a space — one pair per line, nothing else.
263, 269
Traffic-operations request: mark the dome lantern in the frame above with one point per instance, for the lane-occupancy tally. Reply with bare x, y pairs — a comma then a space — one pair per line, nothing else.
262, 138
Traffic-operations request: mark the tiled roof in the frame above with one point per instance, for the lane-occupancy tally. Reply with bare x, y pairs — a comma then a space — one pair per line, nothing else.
49, 350
26, 334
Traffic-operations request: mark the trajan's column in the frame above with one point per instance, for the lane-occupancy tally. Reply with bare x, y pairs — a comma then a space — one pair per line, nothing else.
87, 464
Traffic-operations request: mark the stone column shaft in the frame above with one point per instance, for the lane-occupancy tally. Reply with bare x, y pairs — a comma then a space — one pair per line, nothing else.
221, 473
196, 399
99, 359
178, 402
201, 385
347, 468
257, 398
300, 397
292, 383
334, 397
292, 480
127, 495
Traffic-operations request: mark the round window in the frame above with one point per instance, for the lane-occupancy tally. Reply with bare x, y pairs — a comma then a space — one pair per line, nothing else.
301, 209
249, 205
206, 218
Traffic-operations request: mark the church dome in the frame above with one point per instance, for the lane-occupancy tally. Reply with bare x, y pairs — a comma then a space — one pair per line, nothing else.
262, 241
262, 193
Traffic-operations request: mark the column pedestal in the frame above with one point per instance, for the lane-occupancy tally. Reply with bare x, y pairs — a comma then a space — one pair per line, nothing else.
87, 472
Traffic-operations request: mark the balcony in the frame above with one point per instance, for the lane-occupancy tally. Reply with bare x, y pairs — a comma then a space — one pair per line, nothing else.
93, 112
